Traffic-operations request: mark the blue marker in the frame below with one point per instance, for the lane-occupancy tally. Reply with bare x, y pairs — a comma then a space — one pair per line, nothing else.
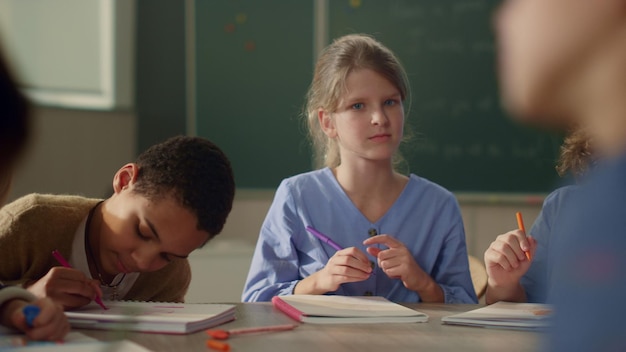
30, 313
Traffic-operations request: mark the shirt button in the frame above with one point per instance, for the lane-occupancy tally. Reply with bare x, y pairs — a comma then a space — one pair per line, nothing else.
373, 264
372, 232
368, 293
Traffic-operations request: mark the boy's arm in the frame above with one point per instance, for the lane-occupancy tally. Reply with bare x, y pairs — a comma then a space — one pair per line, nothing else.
27, 238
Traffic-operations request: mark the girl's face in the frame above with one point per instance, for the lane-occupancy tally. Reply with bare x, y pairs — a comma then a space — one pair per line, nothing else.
369, 121
139, 235
544, 48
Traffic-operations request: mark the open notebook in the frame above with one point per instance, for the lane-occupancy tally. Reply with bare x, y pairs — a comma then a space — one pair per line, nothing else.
158, 317
322, 309
525, 316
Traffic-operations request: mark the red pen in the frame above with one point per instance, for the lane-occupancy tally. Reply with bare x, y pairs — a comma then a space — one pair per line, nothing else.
59, 257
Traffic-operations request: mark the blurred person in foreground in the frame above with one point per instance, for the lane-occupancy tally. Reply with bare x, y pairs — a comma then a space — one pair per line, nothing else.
50, 323
563, 63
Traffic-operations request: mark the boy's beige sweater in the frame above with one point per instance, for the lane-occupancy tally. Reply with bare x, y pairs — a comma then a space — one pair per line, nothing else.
33, 226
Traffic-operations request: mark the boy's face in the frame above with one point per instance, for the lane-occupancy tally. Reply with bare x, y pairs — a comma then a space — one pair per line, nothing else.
138, 235
544, 48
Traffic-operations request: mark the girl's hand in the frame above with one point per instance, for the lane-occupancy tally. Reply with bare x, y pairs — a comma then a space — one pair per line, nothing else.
50, 324
347, 265
505, 259
396, 261
69, 287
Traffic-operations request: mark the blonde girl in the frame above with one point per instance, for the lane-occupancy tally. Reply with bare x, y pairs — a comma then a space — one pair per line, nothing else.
400, 237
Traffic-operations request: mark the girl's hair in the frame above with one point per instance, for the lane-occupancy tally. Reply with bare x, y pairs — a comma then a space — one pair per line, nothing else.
576, 155
345, 55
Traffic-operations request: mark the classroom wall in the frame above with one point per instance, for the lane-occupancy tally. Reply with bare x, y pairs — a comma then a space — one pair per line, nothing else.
75, 152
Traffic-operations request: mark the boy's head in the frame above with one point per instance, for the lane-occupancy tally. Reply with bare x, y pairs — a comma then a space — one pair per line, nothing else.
171, 201
195, 172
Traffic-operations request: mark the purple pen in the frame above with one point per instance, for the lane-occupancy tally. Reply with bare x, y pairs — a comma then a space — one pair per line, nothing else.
324, 238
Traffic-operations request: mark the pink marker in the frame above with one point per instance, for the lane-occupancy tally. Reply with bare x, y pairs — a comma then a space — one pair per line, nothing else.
59, 257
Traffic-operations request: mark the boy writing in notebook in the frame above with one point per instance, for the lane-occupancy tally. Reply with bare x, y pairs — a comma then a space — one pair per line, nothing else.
563, 63
49, 323
132, 246
396, 236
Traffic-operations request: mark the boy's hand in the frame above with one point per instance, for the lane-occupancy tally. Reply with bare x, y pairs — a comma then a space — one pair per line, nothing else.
69, 287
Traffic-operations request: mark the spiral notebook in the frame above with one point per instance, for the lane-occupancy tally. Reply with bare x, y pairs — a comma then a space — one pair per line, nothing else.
157, 317
321, 309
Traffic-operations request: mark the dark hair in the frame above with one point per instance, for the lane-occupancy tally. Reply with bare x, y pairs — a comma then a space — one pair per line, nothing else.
196, 172
14, 119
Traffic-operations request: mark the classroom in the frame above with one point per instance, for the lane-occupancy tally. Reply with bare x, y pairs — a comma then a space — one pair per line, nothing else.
237, 72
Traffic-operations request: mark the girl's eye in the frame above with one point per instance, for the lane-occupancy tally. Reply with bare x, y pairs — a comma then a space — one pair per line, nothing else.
357, 106
390, 102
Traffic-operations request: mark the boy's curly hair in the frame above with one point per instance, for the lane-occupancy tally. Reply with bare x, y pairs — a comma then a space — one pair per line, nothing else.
196, 172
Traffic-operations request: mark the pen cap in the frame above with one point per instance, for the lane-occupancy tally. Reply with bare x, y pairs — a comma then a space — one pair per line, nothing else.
218, 334
30, 313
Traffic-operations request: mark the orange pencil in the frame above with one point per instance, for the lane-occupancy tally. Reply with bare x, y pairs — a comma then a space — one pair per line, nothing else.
520, 225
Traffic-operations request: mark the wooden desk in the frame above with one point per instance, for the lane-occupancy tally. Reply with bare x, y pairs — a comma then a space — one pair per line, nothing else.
431, 336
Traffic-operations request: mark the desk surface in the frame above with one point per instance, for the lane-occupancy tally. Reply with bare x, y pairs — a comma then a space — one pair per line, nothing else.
431, 336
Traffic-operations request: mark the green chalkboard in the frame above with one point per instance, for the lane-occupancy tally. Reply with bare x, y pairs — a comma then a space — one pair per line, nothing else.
254, 61
249, 98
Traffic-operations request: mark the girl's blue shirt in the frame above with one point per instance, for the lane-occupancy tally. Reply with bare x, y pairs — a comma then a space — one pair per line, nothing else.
425, 217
